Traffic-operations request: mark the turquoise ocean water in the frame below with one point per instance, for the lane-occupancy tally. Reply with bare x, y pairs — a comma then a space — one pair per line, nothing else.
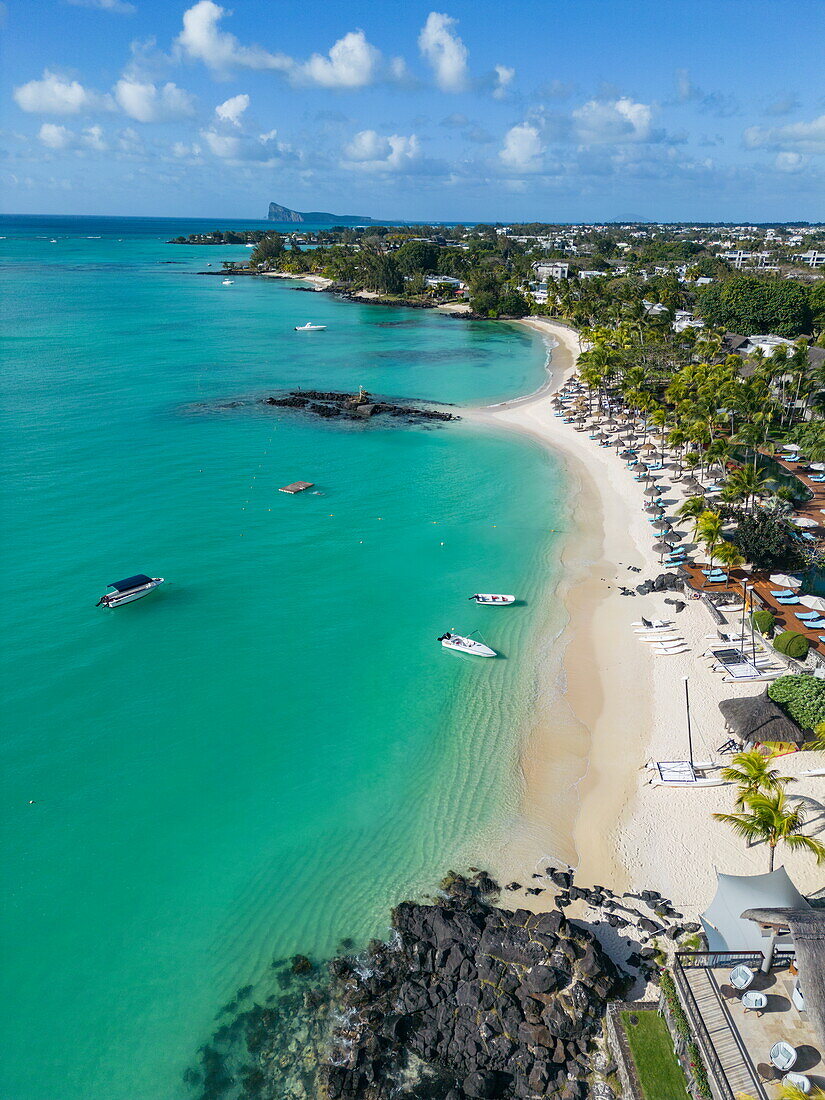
266, 754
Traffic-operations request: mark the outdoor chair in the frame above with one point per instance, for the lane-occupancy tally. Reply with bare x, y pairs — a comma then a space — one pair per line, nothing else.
787, 601
786, 593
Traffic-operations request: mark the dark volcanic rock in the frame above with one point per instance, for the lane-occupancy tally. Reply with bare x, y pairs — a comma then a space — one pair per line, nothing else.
353, 406
490, 1003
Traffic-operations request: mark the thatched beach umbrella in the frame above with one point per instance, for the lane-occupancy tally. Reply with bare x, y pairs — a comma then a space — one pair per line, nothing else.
673, 537
654, 509
652, 491
662, 524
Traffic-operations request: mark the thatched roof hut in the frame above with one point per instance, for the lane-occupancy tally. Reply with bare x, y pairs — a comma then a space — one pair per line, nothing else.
808, 930
758, 719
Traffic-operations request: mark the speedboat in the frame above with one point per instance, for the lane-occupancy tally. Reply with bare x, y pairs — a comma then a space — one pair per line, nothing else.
133, 588
228, 282
309, 327
466, 645
492, 599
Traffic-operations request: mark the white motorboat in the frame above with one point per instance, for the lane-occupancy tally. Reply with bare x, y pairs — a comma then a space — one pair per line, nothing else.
133, 588
492, 600
227, 282
309, 327
466, 645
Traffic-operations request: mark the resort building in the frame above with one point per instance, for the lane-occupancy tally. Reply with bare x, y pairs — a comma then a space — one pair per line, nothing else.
555, 270
812, 258
683, 319
755, 999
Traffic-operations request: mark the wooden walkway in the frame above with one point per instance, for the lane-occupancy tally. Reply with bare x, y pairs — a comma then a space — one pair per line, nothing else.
736, 1065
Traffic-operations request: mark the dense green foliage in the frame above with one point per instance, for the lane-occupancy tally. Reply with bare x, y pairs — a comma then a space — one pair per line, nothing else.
766, 539
791, 644
651, 1046
748, 304
764, 622
802, 697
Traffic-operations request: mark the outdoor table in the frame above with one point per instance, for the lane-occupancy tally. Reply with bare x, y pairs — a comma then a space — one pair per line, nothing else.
783, 1055
798, 1080
753, 1001
741, 976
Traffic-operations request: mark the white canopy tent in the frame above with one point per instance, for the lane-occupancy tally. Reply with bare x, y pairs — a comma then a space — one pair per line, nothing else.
722, 920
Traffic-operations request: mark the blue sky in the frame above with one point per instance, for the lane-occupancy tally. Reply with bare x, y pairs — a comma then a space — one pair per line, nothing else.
559, 110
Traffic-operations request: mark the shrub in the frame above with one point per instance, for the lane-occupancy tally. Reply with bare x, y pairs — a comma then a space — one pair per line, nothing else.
802, 697
764, 622
791, 644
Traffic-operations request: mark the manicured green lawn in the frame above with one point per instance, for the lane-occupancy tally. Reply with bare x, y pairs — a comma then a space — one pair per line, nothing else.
659, 1072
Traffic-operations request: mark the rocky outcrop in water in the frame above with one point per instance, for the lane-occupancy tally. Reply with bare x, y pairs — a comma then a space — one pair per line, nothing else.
469, 1001
353, 406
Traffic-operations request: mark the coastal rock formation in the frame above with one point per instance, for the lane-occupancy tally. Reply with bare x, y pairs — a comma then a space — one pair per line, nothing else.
469, 1001
353, 406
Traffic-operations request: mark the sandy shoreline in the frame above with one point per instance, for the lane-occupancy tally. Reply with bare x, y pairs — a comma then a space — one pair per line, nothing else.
626, 706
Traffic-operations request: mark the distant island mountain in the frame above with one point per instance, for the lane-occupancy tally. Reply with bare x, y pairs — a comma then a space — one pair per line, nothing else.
284, 214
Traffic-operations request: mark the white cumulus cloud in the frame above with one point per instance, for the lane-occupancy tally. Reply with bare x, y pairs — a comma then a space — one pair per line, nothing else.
351, 63
522, 147
616, 120
55, 137
231, 110
445, 52
504, 77
202, 40
147, 102
370, 151
790, 162
57, 95
807, 137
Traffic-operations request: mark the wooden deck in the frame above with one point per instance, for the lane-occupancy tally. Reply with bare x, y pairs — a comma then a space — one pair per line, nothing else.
762, 588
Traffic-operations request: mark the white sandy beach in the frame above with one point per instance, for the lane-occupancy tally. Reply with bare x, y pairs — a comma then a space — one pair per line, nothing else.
628, 705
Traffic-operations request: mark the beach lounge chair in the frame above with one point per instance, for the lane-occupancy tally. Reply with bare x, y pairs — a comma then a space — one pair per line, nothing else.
787, 593
803, 615
814, 624
820, 477
787, 601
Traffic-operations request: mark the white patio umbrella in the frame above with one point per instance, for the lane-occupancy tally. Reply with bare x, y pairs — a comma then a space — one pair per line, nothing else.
784, 580
816, 603
804, 521
818, 466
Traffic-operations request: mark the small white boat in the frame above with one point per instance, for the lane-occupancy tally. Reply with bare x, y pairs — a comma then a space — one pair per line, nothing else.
227, 282
466, 645
492, 599
683, 773
133, 588
309, 327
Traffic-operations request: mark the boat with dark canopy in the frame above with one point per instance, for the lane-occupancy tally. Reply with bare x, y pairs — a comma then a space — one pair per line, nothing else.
133, 588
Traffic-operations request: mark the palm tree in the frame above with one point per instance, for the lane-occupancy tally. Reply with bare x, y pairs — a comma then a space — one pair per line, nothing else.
745, 484
729, 557
752, 773
771, 819
692, 508
709, 529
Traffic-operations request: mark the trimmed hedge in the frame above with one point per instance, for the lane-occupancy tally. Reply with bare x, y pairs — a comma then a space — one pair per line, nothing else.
791, 644
802, 697
764, 622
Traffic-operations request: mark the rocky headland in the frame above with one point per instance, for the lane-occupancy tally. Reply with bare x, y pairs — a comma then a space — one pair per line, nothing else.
469, 999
